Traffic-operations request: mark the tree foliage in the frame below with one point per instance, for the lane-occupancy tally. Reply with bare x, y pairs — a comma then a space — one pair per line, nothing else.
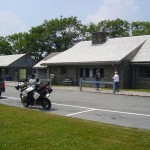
5, 47
140, 28
18, 43
62, 33
117, 28
113, 28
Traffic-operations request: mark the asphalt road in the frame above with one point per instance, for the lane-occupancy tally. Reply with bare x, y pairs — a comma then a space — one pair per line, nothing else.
129, 111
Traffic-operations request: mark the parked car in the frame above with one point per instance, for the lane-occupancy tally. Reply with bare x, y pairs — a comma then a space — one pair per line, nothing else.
2, 86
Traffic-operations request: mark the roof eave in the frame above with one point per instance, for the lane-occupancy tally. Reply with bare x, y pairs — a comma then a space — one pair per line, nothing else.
141, 63
82, 63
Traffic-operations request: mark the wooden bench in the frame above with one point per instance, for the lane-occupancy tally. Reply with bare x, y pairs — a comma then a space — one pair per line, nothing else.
67, 82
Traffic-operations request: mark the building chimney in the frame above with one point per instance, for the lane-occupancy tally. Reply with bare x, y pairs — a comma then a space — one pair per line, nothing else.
98, 37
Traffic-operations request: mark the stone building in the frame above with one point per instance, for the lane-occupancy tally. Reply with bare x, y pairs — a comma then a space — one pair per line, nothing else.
16, 67
130, 56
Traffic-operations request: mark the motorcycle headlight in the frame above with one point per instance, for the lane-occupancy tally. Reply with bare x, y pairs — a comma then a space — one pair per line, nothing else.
21, 84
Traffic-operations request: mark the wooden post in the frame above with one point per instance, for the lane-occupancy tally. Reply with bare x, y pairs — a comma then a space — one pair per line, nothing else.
80, 84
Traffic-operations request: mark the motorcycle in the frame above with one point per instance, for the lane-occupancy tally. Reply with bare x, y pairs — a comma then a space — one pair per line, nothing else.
37, 96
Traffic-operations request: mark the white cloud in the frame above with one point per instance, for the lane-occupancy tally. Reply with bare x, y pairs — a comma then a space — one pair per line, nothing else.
10, 24
112, 9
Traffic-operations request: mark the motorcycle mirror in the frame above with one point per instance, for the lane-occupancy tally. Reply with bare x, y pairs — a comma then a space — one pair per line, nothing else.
17, 87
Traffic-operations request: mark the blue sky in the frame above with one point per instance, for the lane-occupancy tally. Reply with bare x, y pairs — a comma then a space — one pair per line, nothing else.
20, 15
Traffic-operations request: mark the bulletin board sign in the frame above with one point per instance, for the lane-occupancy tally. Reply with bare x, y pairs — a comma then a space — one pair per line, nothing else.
22, 74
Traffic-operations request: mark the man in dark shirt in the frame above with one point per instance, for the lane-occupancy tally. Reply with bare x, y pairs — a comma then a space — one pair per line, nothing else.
97, 78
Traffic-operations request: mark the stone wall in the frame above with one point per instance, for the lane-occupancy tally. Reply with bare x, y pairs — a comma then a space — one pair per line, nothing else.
58, 79
124, 70
126, 74
142, 83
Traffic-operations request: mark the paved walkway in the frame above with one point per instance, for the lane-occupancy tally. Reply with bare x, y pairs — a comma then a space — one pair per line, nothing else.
88, 89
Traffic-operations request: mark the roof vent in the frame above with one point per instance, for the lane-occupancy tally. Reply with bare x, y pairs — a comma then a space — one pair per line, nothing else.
98, 37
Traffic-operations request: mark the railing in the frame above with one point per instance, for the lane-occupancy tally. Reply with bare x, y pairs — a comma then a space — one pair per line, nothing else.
94, 82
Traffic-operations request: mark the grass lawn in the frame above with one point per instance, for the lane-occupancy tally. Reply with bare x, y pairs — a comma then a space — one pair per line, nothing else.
24, 129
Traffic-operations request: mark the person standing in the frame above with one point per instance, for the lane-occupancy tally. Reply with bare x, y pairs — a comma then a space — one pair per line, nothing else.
97, 78
116, 82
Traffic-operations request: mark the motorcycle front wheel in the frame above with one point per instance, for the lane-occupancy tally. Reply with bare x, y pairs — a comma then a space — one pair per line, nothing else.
24, 102
46, 103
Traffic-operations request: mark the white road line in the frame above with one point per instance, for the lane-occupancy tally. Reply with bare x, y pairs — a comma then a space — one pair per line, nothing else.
80, 112
10, 97
91, 109
105, 110
72, 106
121, 112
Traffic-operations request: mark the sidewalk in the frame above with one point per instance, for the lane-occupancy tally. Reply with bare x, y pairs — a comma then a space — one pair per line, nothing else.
88, 89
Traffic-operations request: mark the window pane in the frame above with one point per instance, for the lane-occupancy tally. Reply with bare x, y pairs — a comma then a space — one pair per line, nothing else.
87, 72
63, 71
144, 72
81, 72
102, 72
94, 72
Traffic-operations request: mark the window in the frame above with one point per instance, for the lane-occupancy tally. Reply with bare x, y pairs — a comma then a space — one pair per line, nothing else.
87, 72
81, 72
6, 71
144, 72
94, 72
63, 71
101, 72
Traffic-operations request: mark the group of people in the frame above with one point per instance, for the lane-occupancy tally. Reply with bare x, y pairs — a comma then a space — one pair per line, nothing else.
33, 82
115, 80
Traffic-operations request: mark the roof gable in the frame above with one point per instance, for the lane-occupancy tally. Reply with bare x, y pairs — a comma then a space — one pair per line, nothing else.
7, 60
38, 65
143, 54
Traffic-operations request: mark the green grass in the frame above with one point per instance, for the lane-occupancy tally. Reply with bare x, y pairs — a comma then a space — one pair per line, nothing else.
24, 129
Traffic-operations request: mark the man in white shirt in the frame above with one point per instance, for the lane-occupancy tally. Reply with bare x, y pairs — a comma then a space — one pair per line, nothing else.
33, 82
116, 82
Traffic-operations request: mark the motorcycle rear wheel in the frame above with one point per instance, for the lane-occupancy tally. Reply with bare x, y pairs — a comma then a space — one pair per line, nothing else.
46, 104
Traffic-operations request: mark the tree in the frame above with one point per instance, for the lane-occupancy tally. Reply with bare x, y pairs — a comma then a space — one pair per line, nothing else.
37, 45
117, 28
113, 28
140, 28
5, 47
18, 43
63, 33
